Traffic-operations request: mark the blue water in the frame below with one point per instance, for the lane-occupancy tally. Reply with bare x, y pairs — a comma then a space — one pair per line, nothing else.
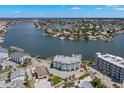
27, 37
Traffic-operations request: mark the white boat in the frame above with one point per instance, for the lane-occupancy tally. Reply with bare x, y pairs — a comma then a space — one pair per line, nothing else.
61, 38
70, 38
54, 36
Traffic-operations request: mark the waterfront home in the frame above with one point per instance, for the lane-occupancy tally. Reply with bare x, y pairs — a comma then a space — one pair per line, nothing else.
19, 57
110, 65
19, 74
92, 38
67, 63
39, 72
3, 53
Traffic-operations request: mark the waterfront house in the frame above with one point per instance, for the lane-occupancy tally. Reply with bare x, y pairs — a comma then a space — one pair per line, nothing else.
19, 57
39, 72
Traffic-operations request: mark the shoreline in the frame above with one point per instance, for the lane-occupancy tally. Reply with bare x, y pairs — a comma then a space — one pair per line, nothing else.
65, 54
4, 29
87, 30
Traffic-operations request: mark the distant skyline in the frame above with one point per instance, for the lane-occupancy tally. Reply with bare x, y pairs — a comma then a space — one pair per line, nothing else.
62, 11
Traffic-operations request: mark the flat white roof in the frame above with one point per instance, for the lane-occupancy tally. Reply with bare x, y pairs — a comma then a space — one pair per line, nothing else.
119, 61
67, 59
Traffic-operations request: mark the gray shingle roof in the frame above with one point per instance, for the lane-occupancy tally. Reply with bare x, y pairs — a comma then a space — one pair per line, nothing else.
40, 70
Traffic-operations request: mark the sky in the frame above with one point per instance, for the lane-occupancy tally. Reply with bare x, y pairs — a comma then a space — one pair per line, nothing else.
51, 11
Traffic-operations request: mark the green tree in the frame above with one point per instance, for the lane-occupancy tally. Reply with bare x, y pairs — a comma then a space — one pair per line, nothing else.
26, 82
97, 83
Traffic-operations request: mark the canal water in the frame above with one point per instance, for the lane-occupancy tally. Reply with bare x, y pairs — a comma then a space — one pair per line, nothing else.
27, 37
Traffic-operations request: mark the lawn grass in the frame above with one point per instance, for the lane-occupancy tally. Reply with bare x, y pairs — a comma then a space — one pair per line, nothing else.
55, 80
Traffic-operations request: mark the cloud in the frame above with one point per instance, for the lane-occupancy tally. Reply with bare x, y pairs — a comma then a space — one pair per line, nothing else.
112, 6
76, 8
120, 9
98, 8
17, 11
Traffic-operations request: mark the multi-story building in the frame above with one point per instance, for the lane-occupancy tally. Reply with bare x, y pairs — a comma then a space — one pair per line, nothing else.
19, 57
110, 65
67, 63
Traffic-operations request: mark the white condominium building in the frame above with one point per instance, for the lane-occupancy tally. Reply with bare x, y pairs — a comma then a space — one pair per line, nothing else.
111, 65
67, 63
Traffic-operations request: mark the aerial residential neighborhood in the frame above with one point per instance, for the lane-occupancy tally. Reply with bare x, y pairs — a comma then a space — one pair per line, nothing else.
67, 52
20, 70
